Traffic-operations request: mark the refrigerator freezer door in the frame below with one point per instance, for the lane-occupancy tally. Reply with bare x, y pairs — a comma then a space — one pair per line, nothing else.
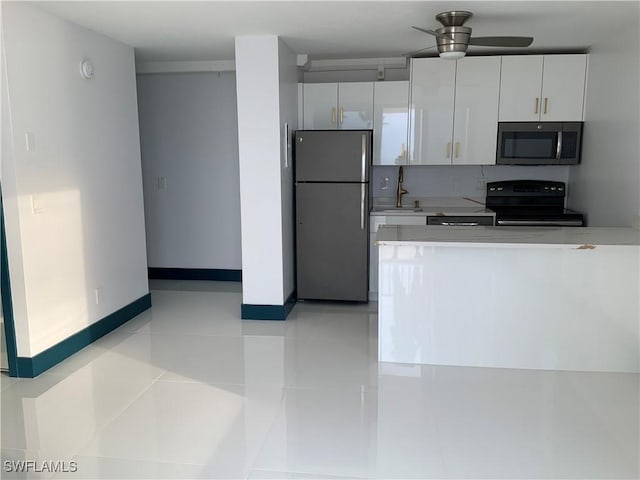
333, 155
332, 241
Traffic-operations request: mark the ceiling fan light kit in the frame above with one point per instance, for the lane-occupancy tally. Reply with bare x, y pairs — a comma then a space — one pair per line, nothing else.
453, 37
452, 55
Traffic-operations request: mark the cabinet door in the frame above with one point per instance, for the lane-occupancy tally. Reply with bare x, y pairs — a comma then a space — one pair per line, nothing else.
320, 106
475, 126
375, 222
431, 111
373, 266
520, 88
390, 117
355, 105
300, 106
563, 82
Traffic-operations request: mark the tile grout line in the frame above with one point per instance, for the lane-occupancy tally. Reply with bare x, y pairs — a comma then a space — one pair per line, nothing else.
268, 432
118, 414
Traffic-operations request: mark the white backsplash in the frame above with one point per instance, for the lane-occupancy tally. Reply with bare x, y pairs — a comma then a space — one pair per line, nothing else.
457, 181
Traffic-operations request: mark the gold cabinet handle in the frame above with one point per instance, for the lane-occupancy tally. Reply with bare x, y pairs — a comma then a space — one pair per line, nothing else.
333, 115
341, 115
546, 103
457, 149
403, 152
537, 105
449, 150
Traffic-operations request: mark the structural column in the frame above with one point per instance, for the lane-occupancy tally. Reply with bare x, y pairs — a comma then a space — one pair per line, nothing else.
267, 103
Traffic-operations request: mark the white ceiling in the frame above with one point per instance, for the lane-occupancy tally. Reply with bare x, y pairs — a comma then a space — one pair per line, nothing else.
186, 30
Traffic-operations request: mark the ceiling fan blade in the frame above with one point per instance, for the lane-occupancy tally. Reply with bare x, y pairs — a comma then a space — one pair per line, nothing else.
501, 41
416, 52
431, 32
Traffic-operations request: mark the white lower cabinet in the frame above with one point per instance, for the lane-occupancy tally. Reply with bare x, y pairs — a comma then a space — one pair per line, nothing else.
375, 222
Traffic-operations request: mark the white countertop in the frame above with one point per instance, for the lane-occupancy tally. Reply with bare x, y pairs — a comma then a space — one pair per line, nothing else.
432, 206
581, 237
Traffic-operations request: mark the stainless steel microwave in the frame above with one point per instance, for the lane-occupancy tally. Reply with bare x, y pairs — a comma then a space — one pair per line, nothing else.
539, 143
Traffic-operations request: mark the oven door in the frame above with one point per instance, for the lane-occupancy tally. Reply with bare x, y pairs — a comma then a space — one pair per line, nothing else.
529, 143
535, 217
460, 221
541, 222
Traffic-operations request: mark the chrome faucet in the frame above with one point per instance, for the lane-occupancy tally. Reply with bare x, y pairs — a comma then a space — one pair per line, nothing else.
400, 190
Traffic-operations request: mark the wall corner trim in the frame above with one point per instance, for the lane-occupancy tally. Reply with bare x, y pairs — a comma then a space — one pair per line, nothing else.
30, 367
268, 312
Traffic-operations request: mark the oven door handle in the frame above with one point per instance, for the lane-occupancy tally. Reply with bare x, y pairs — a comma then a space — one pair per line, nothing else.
533, 223
459, 224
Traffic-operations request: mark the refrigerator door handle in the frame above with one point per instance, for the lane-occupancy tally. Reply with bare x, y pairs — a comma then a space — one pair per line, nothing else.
364, 159
362, 205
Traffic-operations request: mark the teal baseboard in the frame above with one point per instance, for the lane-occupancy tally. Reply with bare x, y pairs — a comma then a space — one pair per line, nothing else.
219, 274
29, 367
268, 312
5, 297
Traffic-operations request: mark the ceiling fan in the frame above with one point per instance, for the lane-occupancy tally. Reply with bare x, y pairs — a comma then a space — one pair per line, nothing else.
453, 37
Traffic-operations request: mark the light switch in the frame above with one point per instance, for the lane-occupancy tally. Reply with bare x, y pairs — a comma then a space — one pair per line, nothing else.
98, 295
162, 183
36, 206
30, 141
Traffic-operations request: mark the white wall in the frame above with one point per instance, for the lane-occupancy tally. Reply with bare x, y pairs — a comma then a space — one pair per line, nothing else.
606, 185
458, 180
189, 136
74, 210
260, 142
288, 114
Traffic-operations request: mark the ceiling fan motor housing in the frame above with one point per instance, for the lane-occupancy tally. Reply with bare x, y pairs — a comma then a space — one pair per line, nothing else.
454, 18
455, 39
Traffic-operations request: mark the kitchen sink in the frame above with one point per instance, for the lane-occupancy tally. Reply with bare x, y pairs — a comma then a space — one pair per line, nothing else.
397, 209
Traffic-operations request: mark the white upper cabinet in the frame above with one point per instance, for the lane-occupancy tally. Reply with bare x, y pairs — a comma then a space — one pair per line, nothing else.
563, 83
332, 106
320, 106
355, 105
431, 111
300, 106
390, 122
546, 88
520, 88
453, 112
475, 124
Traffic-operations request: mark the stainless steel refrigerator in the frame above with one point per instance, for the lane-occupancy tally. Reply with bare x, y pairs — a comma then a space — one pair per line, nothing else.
332, 214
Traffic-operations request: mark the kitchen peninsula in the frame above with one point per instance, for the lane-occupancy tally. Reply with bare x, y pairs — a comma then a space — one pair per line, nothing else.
551, 298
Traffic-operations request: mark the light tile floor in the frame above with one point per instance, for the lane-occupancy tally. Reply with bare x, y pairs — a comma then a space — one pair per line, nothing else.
188, 390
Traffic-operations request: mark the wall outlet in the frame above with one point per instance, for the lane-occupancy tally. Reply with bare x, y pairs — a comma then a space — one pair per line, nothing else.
98, 295
162, 183
481, 184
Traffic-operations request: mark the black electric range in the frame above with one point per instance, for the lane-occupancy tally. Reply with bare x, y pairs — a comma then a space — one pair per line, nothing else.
531, 203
